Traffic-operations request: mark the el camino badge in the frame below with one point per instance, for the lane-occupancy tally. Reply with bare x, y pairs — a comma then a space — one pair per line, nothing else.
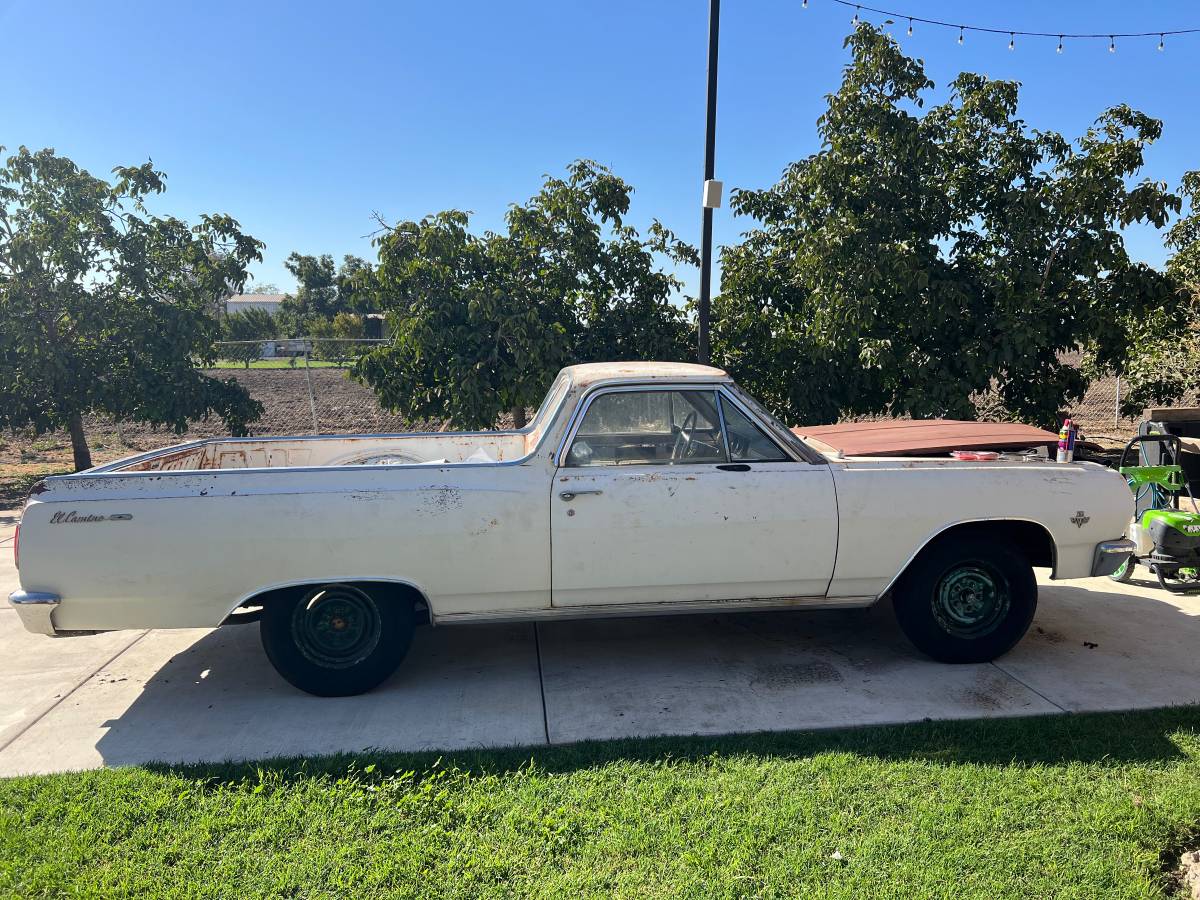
73, 518
1079, 519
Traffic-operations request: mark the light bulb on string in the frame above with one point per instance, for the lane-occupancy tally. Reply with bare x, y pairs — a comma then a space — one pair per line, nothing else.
857, 21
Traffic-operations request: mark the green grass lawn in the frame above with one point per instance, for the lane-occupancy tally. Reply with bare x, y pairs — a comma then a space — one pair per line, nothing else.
1069, 806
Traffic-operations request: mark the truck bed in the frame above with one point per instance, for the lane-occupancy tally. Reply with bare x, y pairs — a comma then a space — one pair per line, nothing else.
329, 450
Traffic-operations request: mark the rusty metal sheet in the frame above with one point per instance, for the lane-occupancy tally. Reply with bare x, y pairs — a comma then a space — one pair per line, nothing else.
914, 437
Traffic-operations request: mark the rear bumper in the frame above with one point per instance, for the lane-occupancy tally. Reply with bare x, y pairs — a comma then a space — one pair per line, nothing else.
1110, 555
34, 609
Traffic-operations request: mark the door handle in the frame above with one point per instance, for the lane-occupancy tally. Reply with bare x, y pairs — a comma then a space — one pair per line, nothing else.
571, 495
734, 467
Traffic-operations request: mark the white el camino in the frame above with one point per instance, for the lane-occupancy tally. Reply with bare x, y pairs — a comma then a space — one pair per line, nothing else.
638, 488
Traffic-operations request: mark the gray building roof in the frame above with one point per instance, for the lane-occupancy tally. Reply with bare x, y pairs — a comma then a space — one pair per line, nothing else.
267, 302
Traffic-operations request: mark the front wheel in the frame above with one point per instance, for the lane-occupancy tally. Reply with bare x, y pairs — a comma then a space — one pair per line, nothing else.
966, 600
334, 640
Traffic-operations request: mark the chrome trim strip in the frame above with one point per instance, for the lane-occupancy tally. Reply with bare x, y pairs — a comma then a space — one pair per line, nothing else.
34, 609
634, 610
724, 427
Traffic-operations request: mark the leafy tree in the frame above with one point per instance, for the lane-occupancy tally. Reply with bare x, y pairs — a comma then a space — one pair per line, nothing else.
467, 343
247, 328
266, 287
570, 240
104, 307
480, 323
335, 340
348, 327
916, 260
322, 291
1163, 365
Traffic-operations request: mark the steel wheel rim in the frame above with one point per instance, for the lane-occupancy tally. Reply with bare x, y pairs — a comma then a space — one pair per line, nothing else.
971, 600
336, 626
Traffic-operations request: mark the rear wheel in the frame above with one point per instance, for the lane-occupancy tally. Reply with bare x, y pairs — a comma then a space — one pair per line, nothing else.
966, 600
334, 640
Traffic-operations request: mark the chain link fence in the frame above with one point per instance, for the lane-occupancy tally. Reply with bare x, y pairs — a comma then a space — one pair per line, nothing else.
1099, 412
304, 386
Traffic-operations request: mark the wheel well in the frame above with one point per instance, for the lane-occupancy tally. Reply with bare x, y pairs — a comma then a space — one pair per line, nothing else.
394, 590
1029, 539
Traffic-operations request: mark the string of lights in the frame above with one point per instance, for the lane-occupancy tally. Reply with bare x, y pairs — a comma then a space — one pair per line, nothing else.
1014, 33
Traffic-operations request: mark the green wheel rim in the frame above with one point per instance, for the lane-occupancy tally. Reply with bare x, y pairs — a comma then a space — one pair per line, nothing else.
336, 626
971, 600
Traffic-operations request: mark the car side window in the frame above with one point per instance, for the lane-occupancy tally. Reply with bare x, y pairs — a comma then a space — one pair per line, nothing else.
649, 428
748, 442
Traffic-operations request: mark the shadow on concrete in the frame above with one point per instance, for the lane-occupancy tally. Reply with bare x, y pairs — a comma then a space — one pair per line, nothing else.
219, 698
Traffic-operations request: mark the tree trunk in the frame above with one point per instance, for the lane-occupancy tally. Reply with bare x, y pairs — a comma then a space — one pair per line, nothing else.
518, 414
83, 456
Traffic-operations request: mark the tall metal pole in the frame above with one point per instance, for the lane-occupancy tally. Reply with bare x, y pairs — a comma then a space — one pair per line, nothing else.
710, 145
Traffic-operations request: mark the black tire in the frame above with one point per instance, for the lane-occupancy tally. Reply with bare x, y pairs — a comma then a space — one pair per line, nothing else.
966, 600
335, 640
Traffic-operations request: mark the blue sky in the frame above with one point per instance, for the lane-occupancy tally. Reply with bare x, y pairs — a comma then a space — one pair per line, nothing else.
302, 118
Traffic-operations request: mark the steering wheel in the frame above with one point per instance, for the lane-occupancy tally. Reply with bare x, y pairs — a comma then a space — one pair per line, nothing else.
683, 440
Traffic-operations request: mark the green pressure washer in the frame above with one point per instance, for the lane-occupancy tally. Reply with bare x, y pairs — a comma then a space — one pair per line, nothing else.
1167, 537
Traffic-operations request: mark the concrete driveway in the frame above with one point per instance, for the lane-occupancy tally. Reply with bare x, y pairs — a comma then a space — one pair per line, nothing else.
174, 696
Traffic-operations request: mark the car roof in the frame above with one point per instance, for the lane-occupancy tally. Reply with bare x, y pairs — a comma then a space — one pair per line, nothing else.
591, 373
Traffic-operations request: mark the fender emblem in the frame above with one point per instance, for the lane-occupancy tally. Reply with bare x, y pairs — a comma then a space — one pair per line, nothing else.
1080, 519
73, 518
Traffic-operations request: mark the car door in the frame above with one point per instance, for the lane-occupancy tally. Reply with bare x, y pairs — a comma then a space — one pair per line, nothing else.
654, 503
